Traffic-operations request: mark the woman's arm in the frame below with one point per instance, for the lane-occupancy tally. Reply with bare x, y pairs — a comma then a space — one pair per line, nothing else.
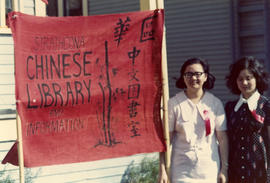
163, 176
267, 144
224, 151
266, 136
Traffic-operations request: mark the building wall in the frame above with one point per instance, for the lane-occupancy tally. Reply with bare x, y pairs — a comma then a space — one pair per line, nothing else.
199, 29
7, 97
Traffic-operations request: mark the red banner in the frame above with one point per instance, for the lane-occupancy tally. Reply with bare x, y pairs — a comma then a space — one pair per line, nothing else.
88, 88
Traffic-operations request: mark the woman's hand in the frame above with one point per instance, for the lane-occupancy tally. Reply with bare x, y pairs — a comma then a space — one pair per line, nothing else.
163, 177
222, 177
224, 151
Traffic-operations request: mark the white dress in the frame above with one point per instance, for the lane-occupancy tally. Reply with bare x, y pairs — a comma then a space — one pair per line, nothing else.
195, 156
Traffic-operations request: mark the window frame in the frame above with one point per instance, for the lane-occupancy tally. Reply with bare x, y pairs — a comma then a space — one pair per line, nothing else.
61, 8
3, 27
40, 10
18, 5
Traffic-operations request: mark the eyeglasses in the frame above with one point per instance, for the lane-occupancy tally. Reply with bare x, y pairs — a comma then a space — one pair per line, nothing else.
191, 74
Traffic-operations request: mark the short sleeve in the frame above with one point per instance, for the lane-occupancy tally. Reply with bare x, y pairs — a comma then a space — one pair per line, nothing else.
221, 122
171, 115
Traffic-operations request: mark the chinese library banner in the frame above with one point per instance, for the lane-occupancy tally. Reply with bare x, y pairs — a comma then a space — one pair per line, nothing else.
87, 88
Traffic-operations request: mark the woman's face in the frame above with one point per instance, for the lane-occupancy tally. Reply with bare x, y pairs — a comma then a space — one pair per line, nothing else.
194, 77
246, 83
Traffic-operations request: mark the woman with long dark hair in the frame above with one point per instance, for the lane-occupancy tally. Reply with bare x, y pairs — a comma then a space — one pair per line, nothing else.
248, 122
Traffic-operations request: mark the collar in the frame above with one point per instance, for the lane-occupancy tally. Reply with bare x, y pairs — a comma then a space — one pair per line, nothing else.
251, 101
203, 98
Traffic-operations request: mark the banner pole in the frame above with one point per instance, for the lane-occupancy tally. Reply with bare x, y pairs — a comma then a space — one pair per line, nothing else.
18, 6
165, 88
151, 5
20, 147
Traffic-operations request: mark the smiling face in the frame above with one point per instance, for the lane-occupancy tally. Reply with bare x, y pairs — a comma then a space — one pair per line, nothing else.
194, 77
246, 83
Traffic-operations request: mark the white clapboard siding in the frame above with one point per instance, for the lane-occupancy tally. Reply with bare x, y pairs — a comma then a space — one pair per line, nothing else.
7, 81
6, 89
7, 59
6, 49
8, 135
6, 69
7, 131
29, 7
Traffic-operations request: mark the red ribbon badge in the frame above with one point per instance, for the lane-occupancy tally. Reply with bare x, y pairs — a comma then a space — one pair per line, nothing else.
257, 116
207, 122
45, 1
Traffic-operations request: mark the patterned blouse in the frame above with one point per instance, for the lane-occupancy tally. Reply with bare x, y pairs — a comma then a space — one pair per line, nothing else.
248, 125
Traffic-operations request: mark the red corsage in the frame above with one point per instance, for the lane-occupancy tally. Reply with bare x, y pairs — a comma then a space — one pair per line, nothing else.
257, 116
45, 1
207, 122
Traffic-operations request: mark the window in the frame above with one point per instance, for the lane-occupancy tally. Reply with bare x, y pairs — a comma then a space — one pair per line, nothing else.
67, 8
6, 6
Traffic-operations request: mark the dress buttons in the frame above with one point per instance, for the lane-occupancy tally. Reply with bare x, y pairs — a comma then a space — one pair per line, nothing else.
243, 177
242, 157
243, 167
241, 128
243, 148
242, 138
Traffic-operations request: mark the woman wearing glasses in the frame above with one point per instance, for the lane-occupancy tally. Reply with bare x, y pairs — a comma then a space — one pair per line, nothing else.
196, 122
248, 122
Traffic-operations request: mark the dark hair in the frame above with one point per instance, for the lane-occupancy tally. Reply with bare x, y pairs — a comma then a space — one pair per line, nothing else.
255, 67
209, 84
